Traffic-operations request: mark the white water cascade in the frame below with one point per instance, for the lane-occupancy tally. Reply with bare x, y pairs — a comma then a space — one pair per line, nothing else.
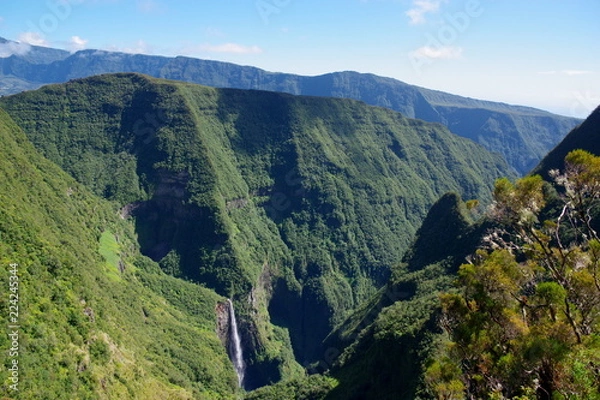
235, 346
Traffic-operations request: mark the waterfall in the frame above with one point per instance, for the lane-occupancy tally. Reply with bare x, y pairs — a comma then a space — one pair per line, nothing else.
235, 346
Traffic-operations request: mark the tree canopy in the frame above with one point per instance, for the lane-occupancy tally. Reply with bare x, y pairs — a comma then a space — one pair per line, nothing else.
524, 320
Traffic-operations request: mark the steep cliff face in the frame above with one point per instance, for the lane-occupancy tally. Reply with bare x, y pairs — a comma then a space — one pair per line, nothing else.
96, 318
294, 207
168, 226
380, 351
222, 313
522, 138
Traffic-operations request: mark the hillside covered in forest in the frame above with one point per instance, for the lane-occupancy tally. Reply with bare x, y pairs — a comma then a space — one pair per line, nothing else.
353, 243
94, 318
295, 207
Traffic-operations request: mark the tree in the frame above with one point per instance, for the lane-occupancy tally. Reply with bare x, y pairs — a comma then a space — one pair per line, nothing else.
524, 321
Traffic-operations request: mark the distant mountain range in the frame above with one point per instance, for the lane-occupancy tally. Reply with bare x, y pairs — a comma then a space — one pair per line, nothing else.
522, 135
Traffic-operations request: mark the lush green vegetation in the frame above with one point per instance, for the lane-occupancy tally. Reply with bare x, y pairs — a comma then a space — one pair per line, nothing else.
96, 318
583, 136
371, 366
314, 387
525, 322
305, 212
380, 351
302, 204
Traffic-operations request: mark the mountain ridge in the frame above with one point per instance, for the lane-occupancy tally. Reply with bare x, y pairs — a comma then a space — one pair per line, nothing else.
523, 135
296, 207
585, 136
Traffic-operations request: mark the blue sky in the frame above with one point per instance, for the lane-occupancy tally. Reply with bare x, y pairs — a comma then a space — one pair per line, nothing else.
541, 53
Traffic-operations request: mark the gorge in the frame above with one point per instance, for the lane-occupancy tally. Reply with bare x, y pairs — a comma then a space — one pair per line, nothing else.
304, 210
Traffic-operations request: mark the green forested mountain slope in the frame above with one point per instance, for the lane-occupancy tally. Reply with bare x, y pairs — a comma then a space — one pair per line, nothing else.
95, 318
297, 207
523, 135
523, 318
585, 136
383, 349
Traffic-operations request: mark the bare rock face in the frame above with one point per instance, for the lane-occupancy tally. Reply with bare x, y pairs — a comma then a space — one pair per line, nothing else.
129, 210
222, 312
171, 184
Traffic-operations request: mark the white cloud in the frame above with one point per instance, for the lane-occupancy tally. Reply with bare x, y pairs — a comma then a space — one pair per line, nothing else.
232, 48
437, 53
573, 72
13, 48
76, 43
33, 38
568, 72
421, 8
140, 47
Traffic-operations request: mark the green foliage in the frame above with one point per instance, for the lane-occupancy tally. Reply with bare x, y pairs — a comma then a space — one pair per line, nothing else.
314, 387
243, 188
444, 378
82, 333
109, 248
99, 352
445, 231
387, 342
584, 136
303, 202
529, 310
520, 203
